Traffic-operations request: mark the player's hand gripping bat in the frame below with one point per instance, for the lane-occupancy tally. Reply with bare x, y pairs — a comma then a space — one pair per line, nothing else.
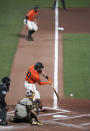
52, 86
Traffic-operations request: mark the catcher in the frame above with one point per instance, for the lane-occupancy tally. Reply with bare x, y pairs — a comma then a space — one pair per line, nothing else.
33, 77
26, 110
30, 22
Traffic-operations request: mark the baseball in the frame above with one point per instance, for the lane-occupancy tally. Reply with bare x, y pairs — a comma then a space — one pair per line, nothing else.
71, 94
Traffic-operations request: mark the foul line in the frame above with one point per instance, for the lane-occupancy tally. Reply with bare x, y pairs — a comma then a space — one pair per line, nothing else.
56, 57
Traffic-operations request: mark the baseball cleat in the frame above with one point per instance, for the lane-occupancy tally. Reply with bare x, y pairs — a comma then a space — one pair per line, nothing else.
30, 39
34, 122
39, 123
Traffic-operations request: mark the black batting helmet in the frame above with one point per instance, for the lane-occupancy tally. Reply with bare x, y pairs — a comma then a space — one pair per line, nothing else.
36, 7
38, 65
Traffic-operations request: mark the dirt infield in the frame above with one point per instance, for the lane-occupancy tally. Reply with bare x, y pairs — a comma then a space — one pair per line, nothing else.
73, 114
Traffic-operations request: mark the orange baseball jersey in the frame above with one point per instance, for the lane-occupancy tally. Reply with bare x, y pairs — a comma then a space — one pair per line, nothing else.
32, 15
33, 77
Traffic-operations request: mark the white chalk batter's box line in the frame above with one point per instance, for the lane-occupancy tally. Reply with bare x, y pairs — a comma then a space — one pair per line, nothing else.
79, 126
60, 111
4, 128
73, 117
53, 121
63, 124
50, 114
57, 114
11, 128
57, 109
65, 117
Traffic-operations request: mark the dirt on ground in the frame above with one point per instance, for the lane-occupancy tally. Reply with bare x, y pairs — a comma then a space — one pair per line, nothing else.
73, 113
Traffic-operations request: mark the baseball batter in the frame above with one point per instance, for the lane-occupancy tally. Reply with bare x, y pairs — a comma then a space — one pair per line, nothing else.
33, 77
30, 22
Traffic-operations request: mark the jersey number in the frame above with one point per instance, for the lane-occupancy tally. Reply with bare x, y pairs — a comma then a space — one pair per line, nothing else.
28, 74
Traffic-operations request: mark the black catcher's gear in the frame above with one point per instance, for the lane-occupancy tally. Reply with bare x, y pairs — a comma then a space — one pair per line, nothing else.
4, 87
6, 81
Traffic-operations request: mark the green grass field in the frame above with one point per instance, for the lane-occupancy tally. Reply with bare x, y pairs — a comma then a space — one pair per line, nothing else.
77, 65
12, 13
77, 3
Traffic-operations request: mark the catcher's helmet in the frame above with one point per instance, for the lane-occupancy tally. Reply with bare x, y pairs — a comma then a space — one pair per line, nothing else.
29, 94
38, 65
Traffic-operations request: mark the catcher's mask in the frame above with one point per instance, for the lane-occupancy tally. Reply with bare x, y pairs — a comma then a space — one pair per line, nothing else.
6, 81
29, 94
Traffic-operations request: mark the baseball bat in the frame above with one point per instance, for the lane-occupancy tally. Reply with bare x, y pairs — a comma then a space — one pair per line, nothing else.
52, 86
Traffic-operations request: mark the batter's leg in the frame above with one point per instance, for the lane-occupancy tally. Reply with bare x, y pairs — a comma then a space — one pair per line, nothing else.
29, 35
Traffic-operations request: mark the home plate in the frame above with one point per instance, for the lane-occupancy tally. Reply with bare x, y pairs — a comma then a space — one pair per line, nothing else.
59, 116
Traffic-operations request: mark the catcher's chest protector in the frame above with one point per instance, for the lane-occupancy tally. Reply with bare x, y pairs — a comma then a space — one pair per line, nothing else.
20, 111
